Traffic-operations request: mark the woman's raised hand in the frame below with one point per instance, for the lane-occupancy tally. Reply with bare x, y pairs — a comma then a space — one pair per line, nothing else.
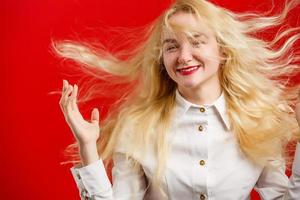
85, 132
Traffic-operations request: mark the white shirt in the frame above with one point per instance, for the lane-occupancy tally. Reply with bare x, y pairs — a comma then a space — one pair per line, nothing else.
205, 162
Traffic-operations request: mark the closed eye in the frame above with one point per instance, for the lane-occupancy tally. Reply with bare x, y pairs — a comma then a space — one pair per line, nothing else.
171, 48
198, 42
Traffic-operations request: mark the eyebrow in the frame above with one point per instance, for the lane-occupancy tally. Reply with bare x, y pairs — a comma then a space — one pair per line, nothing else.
171, 40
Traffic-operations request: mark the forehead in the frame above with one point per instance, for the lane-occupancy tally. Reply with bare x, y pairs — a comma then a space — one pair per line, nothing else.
182, 18
185, 22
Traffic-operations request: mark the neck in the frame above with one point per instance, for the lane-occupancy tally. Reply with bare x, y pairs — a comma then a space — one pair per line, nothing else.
202, 94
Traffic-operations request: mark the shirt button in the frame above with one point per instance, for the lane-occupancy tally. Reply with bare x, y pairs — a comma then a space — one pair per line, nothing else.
201, 128
202, 196
202, 162
202, 109
78, 175
84, 193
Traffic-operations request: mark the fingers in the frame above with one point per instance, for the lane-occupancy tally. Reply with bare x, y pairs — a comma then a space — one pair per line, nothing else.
95, 116
73, 98
63, 99
67, 98
68, 101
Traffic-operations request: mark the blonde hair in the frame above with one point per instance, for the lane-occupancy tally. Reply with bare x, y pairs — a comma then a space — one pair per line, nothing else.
254, 78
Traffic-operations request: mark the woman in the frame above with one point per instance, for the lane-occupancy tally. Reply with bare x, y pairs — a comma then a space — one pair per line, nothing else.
209, 117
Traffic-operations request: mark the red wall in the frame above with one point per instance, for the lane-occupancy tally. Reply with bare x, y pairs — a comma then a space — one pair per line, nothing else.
33, 131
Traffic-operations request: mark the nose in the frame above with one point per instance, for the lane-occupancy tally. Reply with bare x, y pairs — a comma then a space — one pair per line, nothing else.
185, 55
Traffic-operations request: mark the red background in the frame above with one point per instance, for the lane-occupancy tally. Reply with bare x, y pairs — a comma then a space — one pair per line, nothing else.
33, 131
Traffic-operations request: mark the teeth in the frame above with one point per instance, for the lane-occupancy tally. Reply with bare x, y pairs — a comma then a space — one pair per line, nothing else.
189, 69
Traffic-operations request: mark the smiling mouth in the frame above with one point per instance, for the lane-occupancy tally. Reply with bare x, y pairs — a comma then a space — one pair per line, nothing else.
189, 68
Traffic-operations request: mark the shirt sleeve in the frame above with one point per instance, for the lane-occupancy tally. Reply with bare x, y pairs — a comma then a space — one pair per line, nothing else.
93, 182
274, 184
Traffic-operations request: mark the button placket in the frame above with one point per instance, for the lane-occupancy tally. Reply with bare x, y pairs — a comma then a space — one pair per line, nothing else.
201, 127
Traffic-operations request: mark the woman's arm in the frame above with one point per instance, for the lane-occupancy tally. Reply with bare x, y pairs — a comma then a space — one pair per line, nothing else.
93, 183
90, 177
86, 133
274, 184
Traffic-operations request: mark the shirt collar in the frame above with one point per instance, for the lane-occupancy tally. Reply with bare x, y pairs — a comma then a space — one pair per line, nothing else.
219, 105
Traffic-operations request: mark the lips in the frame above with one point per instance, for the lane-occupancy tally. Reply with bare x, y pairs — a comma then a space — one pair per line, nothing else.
187, 68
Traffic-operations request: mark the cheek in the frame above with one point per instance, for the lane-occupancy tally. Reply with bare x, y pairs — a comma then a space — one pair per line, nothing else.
169, 62
169, 66
212, 56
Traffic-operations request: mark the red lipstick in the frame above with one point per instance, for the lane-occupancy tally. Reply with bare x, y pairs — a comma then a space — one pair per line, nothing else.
188, 70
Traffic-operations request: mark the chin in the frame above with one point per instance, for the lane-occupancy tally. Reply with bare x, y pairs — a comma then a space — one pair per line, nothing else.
190, 85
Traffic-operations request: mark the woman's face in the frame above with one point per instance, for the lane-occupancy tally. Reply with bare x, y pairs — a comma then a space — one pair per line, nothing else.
191, 62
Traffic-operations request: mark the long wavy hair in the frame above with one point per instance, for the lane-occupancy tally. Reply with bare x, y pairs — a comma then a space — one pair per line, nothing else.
260, 98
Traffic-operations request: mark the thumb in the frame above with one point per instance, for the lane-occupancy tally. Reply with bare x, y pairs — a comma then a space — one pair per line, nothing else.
95, 115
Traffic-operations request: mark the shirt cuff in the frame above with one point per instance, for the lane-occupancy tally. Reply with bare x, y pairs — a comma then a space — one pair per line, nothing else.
91, 179
296, 163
